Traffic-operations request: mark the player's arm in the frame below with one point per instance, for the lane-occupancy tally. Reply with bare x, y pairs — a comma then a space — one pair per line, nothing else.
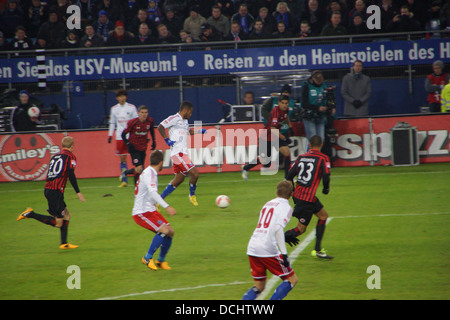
112, 126
125, 132
152, 134
194, 130
326, 176
155, 196
279, 237
292, 173
74, 183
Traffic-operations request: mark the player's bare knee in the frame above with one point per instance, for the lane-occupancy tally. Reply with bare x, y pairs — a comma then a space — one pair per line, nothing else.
293, 279
138, 170
59, 223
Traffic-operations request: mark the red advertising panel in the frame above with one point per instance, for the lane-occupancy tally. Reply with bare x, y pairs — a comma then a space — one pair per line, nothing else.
223, 148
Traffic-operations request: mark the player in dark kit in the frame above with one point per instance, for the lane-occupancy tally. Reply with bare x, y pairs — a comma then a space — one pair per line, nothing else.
61, 167
309, 169
278, 116
138, 130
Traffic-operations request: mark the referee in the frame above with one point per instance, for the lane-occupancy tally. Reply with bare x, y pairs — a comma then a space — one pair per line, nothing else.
138, 130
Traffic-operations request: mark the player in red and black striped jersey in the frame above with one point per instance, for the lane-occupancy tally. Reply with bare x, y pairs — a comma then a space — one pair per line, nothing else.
62, 167
138, 130
309, 169
278, 116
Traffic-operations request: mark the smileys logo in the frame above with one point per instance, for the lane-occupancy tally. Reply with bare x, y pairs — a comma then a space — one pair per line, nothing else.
26, 157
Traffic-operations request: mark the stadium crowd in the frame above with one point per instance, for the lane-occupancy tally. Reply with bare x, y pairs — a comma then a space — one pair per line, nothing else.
37, 24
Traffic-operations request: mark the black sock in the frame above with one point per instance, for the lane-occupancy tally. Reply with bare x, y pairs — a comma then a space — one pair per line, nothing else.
320, 230
49, 220
287, 165
136, 178
64, 230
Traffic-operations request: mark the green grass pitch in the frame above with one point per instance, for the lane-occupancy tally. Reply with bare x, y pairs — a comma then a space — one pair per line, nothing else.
396, 218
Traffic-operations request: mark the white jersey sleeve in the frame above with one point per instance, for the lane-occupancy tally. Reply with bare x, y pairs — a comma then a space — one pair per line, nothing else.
274, 215
146, 192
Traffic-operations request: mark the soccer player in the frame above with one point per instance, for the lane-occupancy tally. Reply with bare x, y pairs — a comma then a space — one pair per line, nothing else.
266, 248
62, 167
138, 130
145, 214
121, 113
278, 116
178, 127
309, 169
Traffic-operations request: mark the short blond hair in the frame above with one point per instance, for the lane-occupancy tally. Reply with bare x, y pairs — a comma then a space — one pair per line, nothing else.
67, 142
284, 189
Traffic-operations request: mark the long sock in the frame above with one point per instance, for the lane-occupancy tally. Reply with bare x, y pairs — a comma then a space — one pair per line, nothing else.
156, 243
64, 230
130, 171
192, 188
136, 178
251, 294
49, 220
287, 165
168, 190
251, 165
123, 165
282, 290
165, 246
320, 230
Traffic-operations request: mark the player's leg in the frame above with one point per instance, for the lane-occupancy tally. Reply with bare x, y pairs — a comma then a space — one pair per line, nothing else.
284, 150
193, 178
64, 229
303, 212
285, 287
165, 246
322, 216
258, 271
179, 178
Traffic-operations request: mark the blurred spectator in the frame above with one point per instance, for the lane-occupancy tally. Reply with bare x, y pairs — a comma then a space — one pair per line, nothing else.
258, 31
3, 42
53, 31
358, 26
20, 41
130, 9
91, 39
270, 5
185, 37
227, 7
154, 13
296, 8
359, 7
244, 18
61, 9
209, 33
36, 15
268, 20
248, 98
444, 14
112, 9
336, 5
434, 83
173, 22
282, 31
388, 12
283, 14
218, 20
433, 21
142, 17
404, 22
88, 10
21, 119
315, 16
102, 25
419, 10
120, 37
356, 91
164, 35
144, 35
71, 40
334, 28
11, 18
41, 43
305, 30
193, 23
235, 33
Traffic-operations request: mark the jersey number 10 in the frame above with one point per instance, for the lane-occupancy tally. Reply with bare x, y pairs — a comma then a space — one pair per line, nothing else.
267, 218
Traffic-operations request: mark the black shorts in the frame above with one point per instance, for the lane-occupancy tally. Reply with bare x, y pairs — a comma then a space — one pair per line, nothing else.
138, 158
56, 204
304, 210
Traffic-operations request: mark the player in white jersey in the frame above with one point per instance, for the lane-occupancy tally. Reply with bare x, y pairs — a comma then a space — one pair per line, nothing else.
145, 214
178, 127
120, 114
267, 249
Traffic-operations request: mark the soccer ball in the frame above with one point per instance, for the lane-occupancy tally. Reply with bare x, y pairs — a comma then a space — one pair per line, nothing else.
34, 112
222, 201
